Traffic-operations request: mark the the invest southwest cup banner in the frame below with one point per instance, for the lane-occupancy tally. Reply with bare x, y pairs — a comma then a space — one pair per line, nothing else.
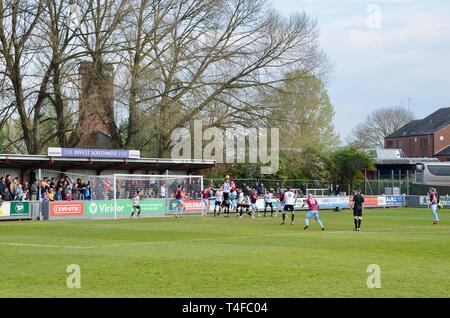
93, 153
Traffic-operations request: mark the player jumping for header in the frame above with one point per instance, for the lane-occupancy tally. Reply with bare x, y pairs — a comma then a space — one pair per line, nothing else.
313, 211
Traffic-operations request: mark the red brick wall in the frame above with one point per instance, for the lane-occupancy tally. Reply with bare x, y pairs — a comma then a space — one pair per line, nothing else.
443, 158
441, 139
96, 102
412, 146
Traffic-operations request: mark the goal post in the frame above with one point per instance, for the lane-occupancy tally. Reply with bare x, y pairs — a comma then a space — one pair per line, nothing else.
157, 193
115, 196
317, 192
110, 196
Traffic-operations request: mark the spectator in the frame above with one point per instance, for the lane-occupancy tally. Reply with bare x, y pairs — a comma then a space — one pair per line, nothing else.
26, 190
277, 188
81, 188
59, 182
34, 190
162, 192
69, 196
255, 184
8, 182
53, 183
69, 182
7, 195
45, 196
13, 186
261, 189
156, 190
196, 188
2, 186
51, 194
87, 192
19, 195
245, 189
45, 187
108, 189
152, 179
337, 191
59, 194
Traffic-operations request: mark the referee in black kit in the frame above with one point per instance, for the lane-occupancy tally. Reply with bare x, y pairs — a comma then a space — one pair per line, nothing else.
358, 205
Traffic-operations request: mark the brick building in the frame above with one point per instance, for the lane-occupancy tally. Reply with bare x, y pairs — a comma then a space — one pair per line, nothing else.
428, 137
96, 105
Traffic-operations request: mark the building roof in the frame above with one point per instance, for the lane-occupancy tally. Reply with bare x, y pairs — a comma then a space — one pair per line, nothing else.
429, 125
61, 163
397, 157
386, 154
444, 152
404, 161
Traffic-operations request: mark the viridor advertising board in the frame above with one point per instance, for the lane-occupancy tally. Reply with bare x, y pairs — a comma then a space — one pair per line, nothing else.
123, 207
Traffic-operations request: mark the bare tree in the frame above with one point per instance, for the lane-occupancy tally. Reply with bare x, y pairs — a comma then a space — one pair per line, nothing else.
24, 87
381, 123
210, 59
172, 60
59, 31
100, 39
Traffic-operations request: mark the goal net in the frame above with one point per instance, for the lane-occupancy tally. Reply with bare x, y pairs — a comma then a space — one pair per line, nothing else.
111, 196
80, 186
157, 193
317, 192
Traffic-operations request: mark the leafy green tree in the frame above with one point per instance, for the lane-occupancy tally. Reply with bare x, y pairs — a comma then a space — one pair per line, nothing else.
303, 112
346, 164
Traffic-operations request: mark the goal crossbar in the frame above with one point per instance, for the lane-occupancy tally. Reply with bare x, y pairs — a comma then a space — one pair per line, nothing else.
156, 188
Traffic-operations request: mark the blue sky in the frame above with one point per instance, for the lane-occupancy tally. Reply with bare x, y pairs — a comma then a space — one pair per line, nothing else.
382, 50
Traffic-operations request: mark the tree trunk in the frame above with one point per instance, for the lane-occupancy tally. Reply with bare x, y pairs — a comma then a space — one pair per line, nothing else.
59, 108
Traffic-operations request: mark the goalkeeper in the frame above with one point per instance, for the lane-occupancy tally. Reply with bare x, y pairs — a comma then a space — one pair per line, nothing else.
136, 204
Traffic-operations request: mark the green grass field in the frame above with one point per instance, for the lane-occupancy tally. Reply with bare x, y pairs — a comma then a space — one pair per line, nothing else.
217, 257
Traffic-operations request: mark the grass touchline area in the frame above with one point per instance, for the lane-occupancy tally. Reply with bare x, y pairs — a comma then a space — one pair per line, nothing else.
218, 257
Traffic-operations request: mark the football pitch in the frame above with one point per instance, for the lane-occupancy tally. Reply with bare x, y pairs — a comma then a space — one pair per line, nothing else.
217, 257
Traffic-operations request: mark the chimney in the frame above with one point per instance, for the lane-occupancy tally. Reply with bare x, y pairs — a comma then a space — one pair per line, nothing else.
96, 105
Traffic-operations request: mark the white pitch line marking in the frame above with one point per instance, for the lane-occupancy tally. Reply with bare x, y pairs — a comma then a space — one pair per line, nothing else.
202, 240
